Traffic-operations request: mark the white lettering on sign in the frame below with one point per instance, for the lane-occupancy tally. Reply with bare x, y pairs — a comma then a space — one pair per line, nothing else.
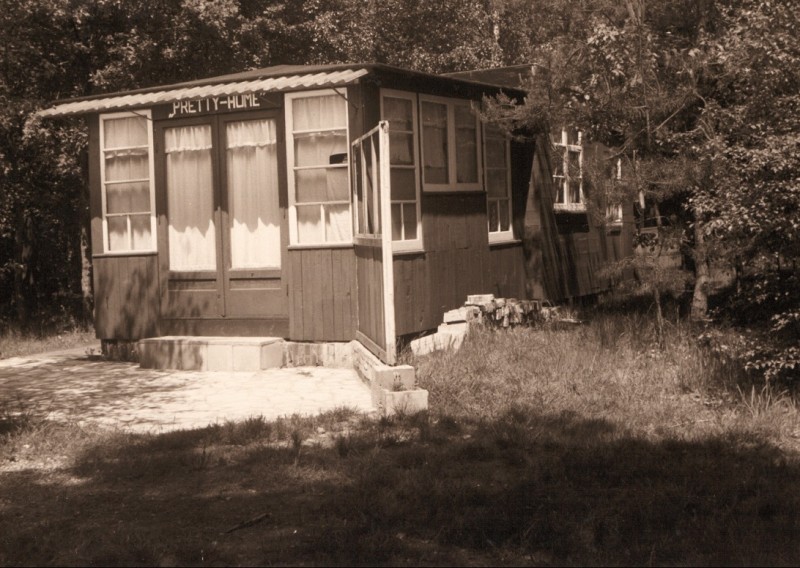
231, 102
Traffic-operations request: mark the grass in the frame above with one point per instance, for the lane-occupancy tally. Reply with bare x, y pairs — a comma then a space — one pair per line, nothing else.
14, 343
571, 446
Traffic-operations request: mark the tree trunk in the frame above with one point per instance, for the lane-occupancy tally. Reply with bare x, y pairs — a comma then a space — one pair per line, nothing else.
701, 272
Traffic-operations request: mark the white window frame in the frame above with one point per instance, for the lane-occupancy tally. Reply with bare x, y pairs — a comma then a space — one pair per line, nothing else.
408, 245
499, 236
452, 166
614, 210
289, 126
563, 150
151, 172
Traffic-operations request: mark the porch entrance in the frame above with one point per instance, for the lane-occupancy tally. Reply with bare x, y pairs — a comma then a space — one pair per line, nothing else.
221, 224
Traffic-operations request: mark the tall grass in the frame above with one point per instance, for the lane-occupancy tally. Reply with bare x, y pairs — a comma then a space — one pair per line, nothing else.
608, 368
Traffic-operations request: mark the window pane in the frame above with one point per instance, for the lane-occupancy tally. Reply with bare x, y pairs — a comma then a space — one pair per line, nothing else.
125, 132
496, 181
190, 198
399, 113
401, 149
118, 234
403, 183
496, 153
338, 225
128, 197
434, 135
140, 227
321, 184
493, 224
127, 164
575, 191
397, 222
503, 214
410, 220
328, 111
309, 224
253, 194
320, 148
466, 146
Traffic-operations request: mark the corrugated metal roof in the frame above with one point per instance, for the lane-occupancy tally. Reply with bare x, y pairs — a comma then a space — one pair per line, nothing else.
232, 85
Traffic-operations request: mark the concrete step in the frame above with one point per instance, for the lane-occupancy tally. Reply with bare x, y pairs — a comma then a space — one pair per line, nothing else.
211, 353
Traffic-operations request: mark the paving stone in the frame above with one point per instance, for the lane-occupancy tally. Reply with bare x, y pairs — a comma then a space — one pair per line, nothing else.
69, 386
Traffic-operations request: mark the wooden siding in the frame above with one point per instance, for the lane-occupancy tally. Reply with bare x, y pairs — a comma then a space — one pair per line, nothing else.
371, 313
564, 252
507, 274
322, 294
456, 261
126, 300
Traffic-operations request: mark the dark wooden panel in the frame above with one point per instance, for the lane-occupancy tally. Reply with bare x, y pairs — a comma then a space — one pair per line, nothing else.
126, 297
565, 253
369, 270
95, 197
508, 271
251, 327
294, 269
344, 298
321, 294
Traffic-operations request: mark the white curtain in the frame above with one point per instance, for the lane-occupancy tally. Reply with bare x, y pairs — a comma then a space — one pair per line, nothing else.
319, 127
190, 198
253, 194
126, 183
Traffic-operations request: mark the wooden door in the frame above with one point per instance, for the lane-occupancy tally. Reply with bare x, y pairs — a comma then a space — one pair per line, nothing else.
253, 242
222, 228
373, 243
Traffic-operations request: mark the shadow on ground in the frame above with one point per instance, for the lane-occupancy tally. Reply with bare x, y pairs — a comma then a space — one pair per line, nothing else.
523, 489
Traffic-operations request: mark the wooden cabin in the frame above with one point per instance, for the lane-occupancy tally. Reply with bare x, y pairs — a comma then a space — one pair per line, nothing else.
325, 203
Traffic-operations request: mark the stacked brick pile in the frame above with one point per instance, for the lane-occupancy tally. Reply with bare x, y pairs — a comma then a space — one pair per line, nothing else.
507, 312
483, 309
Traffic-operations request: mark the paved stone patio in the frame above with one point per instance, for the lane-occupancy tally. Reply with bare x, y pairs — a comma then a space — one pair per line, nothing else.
71, 385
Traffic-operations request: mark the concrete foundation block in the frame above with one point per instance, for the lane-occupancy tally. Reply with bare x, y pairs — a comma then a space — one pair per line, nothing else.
272, 355
246, 357
403, 402
220, 358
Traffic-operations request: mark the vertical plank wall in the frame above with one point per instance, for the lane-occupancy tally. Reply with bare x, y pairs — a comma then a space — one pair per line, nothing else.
564, 252
126, 296
322, 294
457, 262
371, 312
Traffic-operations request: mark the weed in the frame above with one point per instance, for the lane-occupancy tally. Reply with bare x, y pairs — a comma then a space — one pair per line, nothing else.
761, 402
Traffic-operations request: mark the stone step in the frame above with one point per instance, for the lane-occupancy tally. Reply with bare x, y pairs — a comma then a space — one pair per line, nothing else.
189, 353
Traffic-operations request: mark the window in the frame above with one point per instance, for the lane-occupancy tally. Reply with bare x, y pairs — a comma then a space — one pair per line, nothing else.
568, 172
497, 170
400, 109
126, 173
317, 152
614, 209
449, 145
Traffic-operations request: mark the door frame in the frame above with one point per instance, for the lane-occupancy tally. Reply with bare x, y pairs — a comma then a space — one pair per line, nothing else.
223, 273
